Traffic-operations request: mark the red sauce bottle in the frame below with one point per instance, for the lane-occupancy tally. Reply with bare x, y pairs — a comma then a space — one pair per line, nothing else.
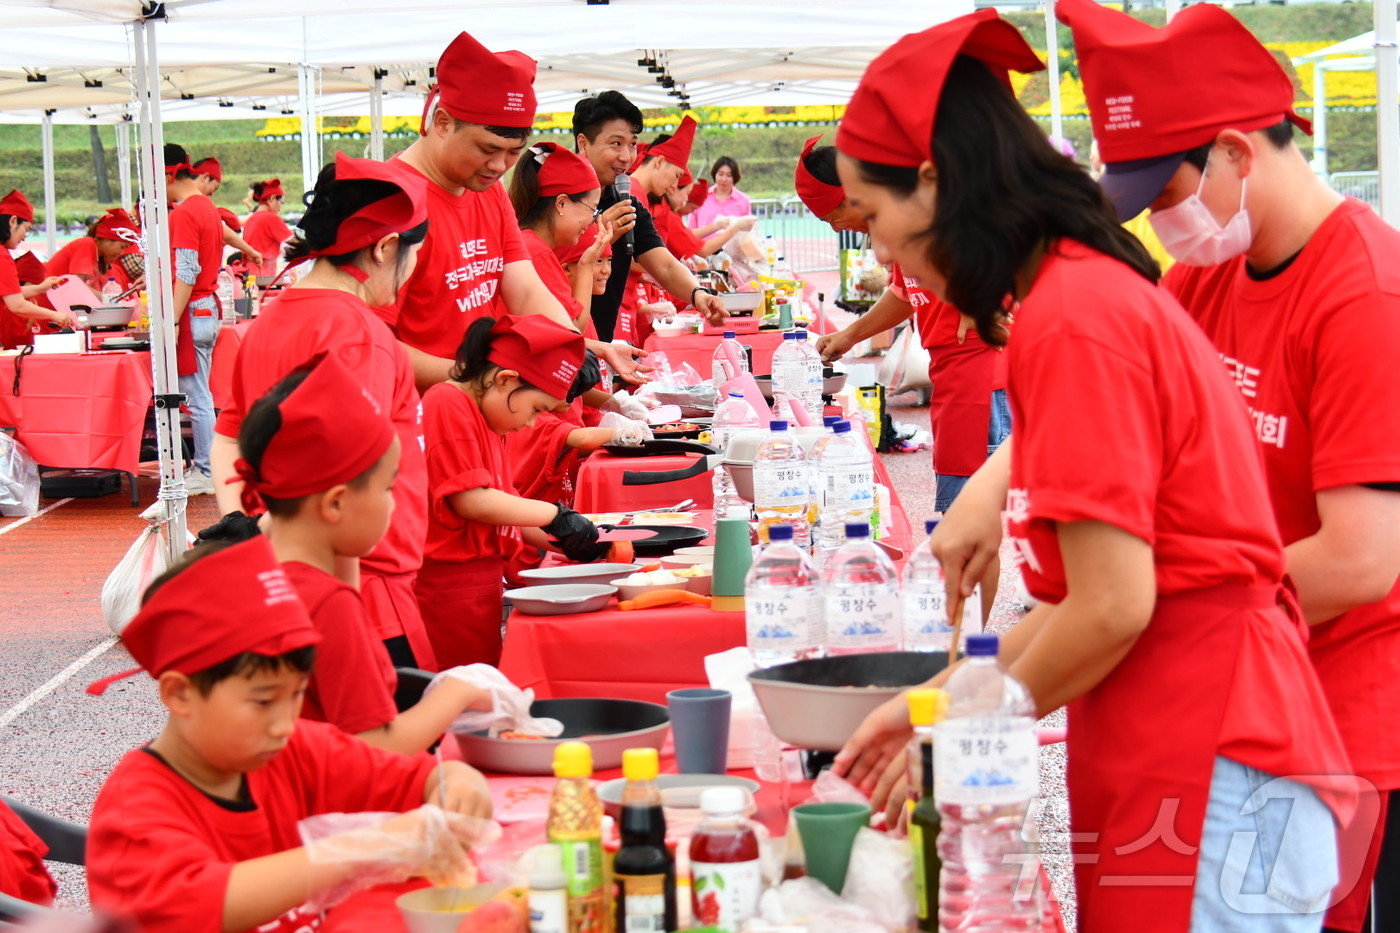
726, 874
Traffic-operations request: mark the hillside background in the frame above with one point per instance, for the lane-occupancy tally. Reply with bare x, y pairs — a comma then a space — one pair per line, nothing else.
765, 153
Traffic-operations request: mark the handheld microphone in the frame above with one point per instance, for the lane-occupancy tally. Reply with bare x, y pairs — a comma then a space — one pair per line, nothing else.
623, 187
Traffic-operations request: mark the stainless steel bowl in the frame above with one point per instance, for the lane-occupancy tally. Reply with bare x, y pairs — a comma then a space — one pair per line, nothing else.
610, 727
579, 573
561, 599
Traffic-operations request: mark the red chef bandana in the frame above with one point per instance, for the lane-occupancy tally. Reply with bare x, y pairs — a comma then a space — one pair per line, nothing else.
676, 150
889, 120
233, 601
17, 205
478, 85
575, 251
403, 210
210, 167
116, 224
230, 219
821, 199
172, 170
332, 431
562, 171
272, 188
545, 354
642, 149
1155, 92
699, 192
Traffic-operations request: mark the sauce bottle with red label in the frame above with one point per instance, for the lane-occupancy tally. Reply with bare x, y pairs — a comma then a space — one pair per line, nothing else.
644, 873
726, 874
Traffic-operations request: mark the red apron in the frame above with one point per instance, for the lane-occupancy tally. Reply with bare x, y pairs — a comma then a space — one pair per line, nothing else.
542, 463
960, 408
1141, 750
393, 610
461, 605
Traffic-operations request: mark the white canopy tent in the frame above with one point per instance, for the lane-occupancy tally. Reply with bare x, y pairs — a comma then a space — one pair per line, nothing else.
91, 57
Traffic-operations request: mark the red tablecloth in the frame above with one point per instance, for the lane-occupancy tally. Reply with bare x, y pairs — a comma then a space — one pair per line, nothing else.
699, 349
79, 410
221, 365
599, 485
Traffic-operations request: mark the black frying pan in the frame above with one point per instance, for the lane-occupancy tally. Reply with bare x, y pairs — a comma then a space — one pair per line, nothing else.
659, 447
665, 540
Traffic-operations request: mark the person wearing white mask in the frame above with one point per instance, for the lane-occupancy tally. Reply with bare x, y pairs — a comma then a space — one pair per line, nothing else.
1299, 290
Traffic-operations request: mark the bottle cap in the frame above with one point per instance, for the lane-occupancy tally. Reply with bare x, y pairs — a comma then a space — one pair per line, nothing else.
573, 760
738, 395
777, 425
547, 866
722, 801
800, 334
981, 646
927, 706
640, 764
779, 532
929, 525
790, 335
729, 335
857, 530
841, 427
830, 420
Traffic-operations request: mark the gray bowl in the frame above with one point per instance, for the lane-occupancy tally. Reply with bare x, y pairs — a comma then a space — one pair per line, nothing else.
608, 726
678, 791
819, 704
741, 472
578, 573
561, 599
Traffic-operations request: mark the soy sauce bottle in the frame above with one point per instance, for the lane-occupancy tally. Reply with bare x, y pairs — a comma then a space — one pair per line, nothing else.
644, 872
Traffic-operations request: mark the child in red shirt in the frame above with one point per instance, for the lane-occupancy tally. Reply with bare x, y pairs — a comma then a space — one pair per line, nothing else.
17, 312
507, 373
198, 831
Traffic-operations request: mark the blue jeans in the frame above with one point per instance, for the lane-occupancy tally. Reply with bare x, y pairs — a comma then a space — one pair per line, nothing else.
946, 488
1268, 855
198, 397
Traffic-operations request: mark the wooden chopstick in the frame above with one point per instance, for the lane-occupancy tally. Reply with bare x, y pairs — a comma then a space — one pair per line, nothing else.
957, 615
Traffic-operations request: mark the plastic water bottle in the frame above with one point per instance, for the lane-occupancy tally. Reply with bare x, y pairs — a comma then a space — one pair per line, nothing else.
986, 775
926, 623
733, 415
110, 291
861, 596
797, 374
845, 484
783, 603
721, 367
782, 485
228, 291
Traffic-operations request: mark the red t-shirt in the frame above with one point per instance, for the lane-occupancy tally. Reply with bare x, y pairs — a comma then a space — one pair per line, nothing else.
551, 272
14, 330
78, 257
680, 240
1313, 350
22, 871
161, 851
195, 224
352, 686
1175, 465
266, 231
463, 454
302, 322
938, 324
471, 238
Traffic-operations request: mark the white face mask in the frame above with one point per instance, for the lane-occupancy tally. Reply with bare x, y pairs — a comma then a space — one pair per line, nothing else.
1190, 232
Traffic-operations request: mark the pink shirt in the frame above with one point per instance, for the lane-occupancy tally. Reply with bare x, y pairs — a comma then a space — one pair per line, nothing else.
736, 205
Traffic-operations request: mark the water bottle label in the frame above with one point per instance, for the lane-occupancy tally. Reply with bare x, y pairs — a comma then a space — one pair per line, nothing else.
925, 621
781, 485
786, 620
864, 616
849, 490
984, 760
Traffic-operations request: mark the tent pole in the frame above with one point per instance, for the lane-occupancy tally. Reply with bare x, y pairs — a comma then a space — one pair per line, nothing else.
155, 232
1052, 44
1319, 159
50, 197
1387, 112
376, 117
124, 160
310, 165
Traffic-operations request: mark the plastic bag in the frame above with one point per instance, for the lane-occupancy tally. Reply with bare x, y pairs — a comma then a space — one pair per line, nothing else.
808, 904
145, 560
905, 365
510, 706
19, 479
381, 848
880, 879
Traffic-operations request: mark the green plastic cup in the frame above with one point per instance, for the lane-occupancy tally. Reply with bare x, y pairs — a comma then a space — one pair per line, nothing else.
828, 832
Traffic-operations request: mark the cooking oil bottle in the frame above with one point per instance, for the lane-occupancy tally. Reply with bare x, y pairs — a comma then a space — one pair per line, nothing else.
575, 823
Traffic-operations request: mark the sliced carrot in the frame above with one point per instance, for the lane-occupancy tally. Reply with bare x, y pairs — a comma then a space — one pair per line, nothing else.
657, 598
621, 552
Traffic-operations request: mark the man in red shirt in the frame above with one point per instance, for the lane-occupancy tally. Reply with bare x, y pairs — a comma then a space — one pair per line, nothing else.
473, 263
1299, 290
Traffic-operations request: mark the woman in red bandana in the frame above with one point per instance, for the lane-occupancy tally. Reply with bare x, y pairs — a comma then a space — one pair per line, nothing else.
93, 258
265, 230
19, 313
508, 372
1195, 718
361, 234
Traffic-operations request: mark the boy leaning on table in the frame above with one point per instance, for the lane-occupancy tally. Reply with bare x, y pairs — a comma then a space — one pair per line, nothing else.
198, 830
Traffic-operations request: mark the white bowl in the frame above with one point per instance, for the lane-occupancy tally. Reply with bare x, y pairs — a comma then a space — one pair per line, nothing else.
678, 791
746, 302
562, 599
700, 550
633, 590
441, 910
578, 573
682, 561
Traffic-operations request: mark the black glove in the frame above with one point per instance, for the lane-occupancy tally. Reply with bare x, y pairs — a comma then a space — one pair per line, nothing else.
233, 527
576, 536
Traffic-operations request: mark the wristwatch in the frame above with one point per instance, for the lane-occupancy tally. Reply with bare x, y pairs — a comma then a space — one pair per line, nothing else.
701, 288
